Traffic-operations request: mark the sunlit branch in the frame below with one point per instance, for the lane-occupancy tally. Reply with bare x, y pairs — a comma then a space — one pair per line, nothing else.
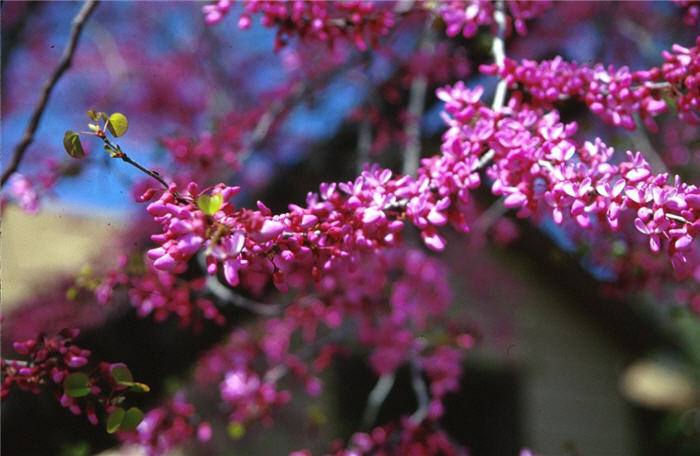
498, 49
47, 88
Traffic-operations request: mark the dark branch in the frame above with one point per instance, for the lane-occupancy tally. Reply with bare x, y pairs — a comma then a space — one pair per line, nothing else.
63, 65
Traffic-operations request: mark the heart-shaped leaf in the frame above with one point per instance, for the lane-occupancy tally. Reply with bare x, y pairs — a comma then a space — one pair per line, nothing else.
132, 418
118, 124
77, 384
122, 375
210, 204
71, 142
115, 419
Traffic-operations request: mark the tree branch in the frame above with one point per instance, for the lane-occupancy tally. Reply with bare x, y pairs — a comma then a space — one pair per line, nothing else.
421, 391
416, 107
498, 49
47, 88
376, 398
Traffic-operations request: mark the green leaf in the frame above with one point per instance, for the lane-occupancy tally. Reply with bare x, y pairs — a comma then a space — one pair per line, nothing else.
210, 204
94, 116
118, 124
139, 388
236, 430
114, 420
132, 418
77, 385
122, 375
71, 142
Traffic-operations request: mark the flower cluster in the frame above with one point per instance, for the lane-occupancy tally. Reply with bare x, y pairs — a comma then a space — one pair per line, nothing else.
536, 162
350, 303
323, 21
404, 437
613, 94
57, 365
162, 295
681, 68
692, 10
166, 427
465, 16
22, 191
341, 221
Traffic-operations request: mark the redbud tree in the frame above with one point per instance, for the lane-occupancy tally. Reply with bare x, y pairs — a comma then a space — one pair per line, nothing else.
311, 160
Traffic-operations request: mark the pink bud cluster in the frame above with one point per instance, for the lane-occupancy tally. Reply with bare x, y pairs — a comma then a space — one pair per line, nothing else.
692, 10
165, 427
163, 295
466, 16
321, 21
223, 145
49, 361
536, 162
681, 68
613, 94
405, 437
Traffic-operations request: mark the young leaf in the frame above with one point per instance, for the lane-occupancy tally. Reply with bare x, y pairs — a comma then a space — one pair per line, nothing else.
71, 142
122, 375
210, 204
131, 419
77, 385
94, 116
138, 387
114, 420
235, 430
118, 124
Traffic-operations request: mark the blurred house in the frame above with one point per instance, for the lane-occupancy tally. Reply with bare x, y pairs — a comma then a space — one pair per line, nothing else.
34, 248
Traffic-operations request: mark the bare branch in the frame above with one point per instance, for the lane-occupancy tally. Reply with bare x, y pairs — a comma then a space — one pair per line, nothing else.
421, 391
227, 296
47, 88
416, 107
376, 398
364, 143
498, 49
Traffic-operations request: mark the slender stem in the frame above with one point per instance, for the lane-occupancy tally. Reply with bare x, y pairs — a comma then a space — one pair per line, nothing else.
47, 88
376, 398
118, 153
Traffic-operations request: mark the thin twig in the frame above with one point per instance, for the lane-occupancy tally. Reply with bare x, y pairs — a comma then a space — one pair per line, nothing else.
364, 143
376, 398
490, 215
416, 107
47, 88
421, 391
300, 91
276, 373
117, 152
